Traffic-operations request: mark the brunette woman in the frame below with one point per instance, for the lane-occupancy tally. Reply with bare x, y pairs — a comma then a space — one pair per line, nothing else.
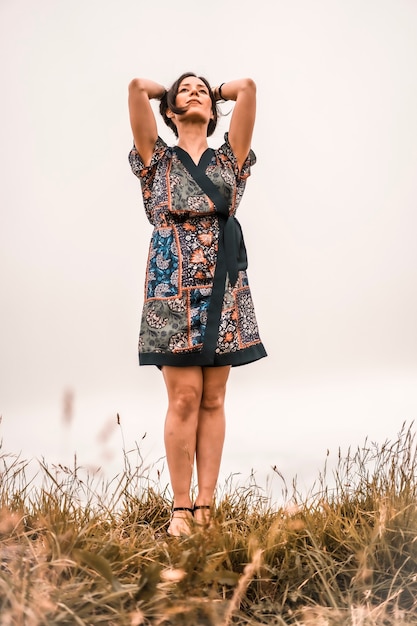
198, 316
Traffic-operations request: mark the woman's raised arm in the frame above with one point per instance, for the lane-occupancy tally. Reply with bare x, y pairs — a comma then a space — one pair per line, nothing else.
142, 119
243, 91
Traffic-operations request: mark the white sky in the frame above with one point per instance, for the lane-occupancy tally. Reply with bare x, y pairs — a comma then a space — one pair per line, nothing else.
329, 218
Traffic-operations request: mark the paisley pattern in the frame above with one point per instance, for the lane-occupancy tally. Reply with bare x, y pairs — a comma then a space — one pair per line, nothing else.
184, 250
163, 265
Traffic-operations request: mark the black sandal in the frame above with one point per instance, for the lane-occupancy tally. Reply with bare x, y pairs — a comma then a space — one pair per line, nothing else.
181, 508
203, 507
184, 508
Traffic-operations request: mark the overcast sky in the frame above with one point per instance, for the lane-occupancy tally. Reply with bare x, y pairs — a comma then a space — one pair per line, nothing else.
329, 218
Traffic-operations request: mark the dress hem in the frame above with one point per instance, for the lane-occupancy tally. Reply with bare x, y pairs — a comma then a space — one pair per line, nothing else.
241, 357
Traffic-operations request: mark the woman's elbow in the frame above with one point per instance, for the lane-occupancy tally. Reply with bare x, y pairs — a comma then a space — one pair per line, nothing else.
135, 85
248, 84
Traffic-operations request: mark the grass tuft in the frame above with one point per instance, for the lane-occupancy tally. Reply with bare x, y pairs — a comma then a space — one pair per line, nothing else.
77, 550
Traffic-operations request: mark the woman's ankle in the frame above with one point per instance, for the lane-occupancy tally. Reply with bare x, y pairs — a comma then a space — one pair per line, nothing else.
202, 514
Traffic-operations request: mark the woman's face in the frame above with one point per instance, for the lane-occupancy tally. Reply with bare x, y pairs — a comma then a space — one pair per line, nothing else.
193, 95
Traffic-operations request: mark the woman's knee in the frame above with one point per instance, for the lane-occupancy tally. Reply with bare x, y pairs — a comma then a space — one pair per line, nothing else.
184, 387
214, 388
185, 402
213, 398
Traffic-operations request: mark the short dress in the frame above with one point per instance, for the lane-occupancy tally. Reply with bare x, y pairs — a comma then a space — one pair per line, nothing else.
198, 308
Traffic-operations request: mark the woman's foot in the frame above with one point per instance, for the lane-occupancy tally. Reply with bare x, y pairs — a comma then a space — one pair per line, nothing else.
181, 520
202, 514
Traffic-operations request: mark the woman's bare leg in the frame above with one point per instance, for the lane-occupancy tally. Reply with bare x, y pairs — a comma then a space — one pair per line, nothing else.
184, 387
210, 435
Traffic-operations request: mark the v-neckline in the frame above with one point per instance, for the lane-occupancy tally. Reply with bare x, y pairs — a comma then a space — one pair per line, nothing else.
206, 156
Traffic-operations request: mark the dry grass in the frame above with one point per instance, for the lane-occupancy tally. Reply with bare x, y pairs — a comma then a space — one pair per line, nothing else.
74, 551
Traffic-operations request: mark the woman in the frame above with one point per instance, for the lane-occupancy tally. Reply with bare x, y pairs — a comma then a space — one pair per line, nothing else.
198, 318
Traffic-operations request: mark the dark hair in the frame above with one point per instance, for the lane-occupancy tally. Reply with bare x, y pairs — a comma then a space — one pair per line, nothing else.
168, 102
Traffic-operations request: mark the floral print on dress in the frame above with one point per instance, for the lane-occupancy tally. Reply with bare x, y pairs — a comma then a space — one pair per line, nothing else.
162, 275
183, 255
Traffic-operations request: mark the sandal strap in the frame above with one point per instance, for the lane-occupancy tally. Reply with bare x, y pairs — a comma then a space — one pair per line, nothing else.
182, 508
197, 507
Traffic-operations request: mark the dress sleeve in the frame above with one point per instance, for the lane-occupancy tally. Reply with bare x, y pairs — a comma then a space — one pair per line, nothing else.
226, 151
148, 174
137, 165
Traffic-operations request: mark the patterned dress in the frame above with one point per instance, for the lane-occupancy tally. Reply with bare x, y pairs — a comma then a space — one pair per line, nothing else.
198, 307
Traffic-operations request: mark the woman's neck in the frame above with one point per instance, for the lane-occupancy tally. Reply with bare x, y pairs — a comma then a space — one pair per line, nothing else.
193, 141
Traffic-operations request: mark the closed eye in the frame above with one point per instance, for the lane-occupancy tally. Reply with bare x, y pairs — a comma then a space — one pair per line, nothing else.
201, 89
